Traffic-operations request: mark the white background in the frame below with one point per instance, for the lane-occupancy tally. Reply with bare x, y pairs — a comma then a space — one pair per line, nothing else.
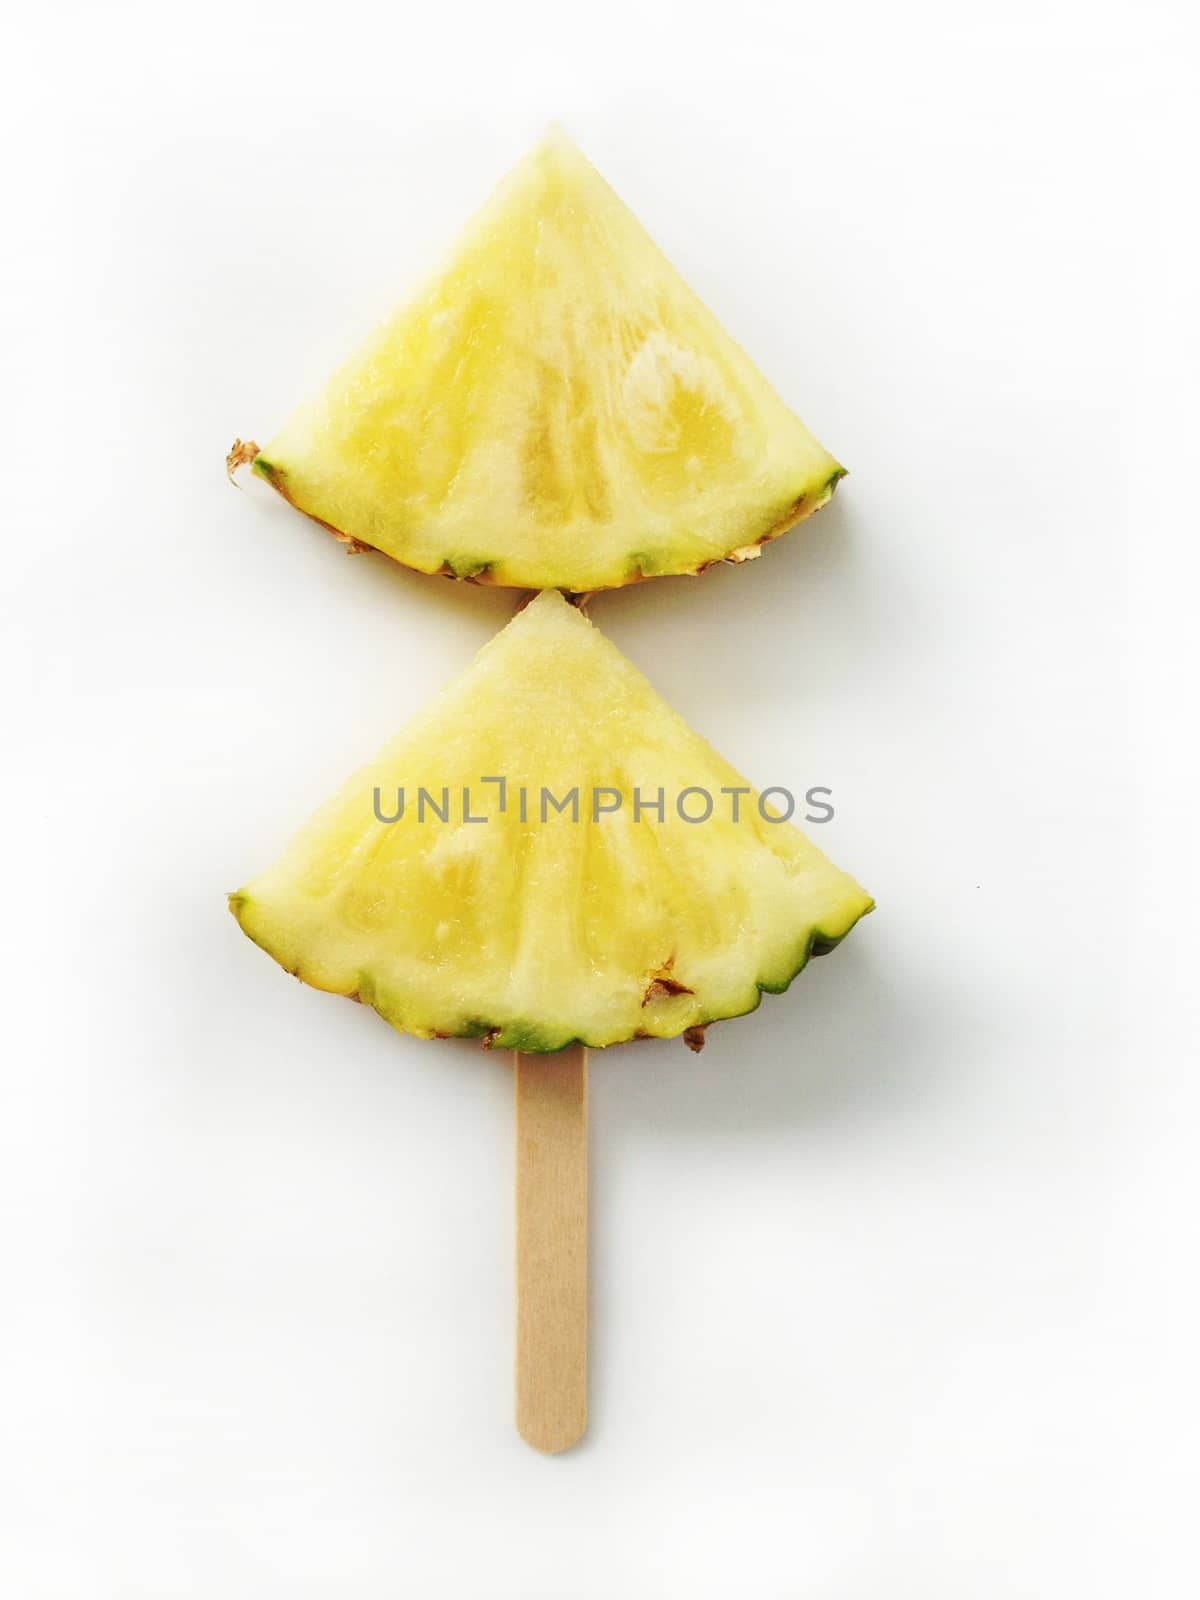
894, 1285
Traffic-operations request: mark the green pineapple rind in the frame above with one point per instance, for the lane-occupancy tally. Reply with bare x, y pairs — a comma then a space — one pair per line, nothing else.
527, 1036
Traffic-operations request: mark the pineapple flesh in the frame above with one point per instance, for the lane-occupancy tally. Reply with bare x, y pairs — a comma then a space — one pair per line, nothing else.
554, 408
502, 910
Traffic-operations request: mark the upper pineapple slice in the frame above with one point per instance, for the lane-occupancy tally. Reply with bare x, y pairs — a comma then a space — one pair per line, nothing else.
554, 408
600, 921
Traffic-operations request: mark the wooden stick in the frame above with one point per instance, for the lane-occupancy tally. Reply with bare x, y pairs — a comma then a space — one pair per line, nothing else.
551, 1096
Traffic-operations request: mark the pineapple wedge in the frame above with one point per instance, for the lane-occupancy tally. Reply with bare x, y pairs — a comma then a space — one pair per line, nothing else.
541, 885
553, 409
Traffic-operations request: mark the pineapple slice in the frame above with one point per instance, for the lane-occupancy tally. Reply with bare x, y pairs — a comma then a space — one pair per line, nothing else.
554, 409
531, 894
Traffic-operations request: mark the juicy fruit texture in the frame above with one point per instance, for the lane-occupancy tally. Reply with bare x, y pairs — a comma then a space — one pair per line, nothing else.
534, 933
554, 409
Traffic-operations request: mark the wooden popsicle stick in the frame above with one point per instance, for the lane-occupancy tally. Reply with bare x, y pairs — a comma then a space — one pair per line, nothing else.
552, 1185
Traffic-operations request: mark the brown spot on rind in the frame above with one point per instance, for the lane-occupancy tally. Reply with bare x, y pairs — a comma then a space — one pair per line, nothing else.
694, 1038
663, 986
747, 552
242, 453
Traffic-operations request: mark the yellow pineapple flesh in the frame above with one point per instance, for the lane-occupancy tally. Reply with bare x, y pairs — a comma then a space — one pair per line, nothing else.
554, 408
533, 922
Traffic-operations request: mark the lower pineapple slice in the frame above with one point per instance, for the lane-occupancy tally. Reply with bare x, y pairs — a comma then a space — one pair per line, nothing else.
554, 409
512, 921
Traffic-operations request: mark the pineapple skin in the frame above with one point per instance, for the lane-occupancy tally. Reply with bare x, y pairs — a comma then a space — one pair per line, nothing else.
500, 575
527, 1038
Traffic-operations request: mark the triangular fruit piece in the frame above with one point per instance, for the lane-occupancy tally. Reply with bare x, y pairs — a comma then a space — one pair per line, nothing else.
570, 901
553, 409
